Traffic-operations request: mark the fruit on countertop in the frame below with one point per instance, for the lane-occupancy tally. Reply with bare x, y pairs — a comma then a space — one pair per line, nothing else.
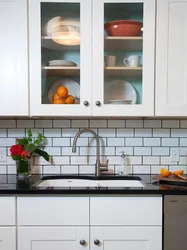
164, 172
179, 172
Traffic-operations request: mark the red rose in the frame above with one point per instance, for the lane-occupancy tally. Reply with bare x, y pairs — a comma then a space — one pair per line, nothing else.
16, 150
25, 154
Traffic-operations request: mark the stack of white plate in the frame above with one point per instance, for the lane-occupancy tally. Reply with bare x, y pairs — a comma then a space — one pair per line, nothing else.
62, 63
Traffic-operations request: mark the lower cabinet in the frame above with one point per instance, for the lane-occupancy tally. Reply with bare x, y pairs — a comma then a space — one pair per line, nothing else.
53, 238
8, 238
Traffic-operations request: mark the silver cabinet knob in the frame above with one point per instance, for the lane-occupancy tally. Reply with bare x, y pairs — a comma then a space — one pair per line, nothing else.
82, 242
86, 103
98, 103
96, 242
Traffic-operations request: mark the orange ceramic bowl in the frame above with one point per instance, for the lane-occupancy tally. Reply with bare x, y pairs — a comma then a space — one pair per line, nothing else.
124, 28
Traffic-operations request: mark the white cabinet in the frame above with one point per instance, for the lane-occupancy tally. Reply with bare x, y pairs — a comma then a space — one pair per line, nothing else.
14, 58
171, 58
7, 238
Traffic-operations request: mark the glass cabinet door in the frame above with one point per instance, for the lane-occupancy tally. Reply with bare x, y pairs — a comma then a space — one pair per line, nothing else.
60, 57
123, 57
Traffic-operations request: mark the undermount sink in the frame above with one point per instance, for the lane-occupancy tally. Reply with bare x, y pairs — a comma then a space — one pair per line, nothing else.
82, 182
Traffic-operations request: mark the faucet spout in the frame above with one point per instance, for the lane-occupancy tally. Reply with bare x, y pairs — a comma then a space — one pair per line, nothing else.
98, 165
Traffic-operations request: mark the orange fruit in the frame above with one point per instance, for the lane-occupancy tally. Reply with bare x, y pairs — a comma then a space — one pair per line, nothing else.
58, 101
62, 92
178, 172
55, 96
164, 172
70, 100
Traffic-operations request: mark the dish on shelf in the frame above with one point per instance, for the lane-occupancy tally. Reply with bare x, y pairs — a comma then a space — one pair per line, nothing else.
72, 86
124, 28
120, 90
61, 63
52, 23
120, 101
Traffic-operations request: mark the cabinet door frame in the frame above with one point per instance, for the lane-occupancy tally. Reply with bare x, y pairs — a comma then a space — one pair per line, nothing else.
36, 107
8, 238
147, 106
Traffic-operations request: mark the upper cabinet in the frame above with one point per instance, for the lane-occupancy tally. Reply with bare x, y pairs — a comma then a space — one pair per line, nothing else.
171, 58
14, 58
123, 57
60, 34
107, 65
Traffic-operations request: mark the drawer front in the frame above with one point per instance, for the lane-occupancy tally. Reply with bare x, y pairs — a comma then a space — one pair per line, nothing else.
126, 211
53, 211
7, 214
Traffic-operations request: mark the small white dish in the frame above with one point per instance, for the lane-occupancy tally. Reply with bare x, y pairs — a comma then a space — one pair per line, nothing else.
61, 63
120, 101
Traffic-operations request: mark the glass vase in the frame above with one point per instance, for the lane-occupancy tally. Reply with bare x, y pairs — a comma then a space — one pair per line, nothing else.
23, 168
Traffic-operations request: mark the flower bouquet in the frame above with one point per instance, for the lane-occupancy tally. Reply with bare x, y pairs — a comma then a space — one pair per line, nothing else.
24, 149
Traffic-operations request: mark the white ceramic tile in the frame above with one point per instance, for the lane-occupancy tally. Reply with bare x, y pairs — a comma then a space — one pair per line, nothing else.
143, 132
152, 142
7, 123
62, 142
36, 169
3, 169
52, 132
179, 132
127, 150
162, 132
133, 142
141, 169
175, 168
152, 123
183, 124
170, 142
69, 132
142, 151
182, 161
160, 151
126, 132
4, 142
170, 123
114, 160
11, 169
87, 150
92, 142
156, 169
79, 124
78, 160
98, 123
53, 150
86, 169
183, 141
47, 142
43, 123
165, 160
88, 134
16, 132
9, 161
151, 160
61, 123
183, 151
3, 133
60, 160
25, 123
107, 150
134, 123
135, 159
106, 132
68, 151
81, 142
51, 169
115, 142
91, 160
116, 123
69, 169
41, 161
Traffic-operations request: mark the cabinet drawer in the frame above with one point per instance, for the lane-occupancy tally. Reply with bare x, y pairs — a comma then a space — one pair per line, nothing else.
53, 211
126, 210
7, 214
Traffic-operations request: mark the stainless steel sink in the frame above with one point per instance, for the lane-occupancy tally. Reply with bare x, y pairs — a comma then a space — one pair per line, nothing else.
65, 182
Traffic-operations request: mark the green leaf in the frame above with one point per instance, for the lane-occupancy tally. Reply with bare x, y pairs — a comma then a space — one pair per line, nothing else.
42, 153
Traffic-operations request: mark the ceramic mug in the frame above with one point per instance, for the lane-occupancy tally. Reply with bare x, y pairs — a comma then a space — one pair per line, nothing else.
110, 61
132, 61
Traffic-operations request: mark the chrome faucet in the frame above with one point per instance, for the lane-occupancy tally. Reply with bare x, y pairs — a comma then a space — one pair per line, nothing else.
98, 166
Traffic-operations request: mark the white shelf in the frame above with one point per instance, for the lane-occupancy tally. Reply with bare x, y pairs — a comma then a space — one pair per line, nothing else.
48, 43
123, 43
123, 71
62, 71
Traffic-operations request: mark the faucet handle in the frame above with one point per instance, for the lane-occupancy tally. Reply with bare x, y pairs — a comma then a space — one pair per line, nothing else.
104, 166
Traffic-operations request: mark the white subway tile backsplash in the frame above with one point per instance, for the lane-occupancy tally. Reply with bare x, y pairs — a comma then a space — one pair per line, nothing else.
135, 160
98, 123
155, 169
170, 142
106, 132
134, 123
125, 132
152, 123
43, 123
53, 150
86, 169
62, 142
16, 133
152, 142
175, 168
179, 132
3, 133
116, 123
160, 151
92, 142
127, 150
35, 131
87, 151
61, 123
68, 151
161, 132
183, 124
142, 151
141, 169
7, 123
25, 123
143, 132
133, 142
183, 142
5, 142
81, 142
78, 160
165, 160
183, 151
150, 160
170, 123
51, 169
107, 150
69, 132
60, 160
11, 169
52, 132
3, 169
183, 160
69, 169
117, 142
79, 124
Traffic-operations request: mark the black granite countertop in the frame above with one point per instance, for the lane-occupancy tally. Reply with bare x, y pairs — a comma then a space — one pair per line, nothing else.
11, 185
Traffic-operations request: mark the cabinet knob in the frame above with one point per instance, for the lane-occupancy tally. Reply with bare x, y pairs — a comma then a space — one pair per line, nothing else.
96, 242
82, 242
98, 103
86, 103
